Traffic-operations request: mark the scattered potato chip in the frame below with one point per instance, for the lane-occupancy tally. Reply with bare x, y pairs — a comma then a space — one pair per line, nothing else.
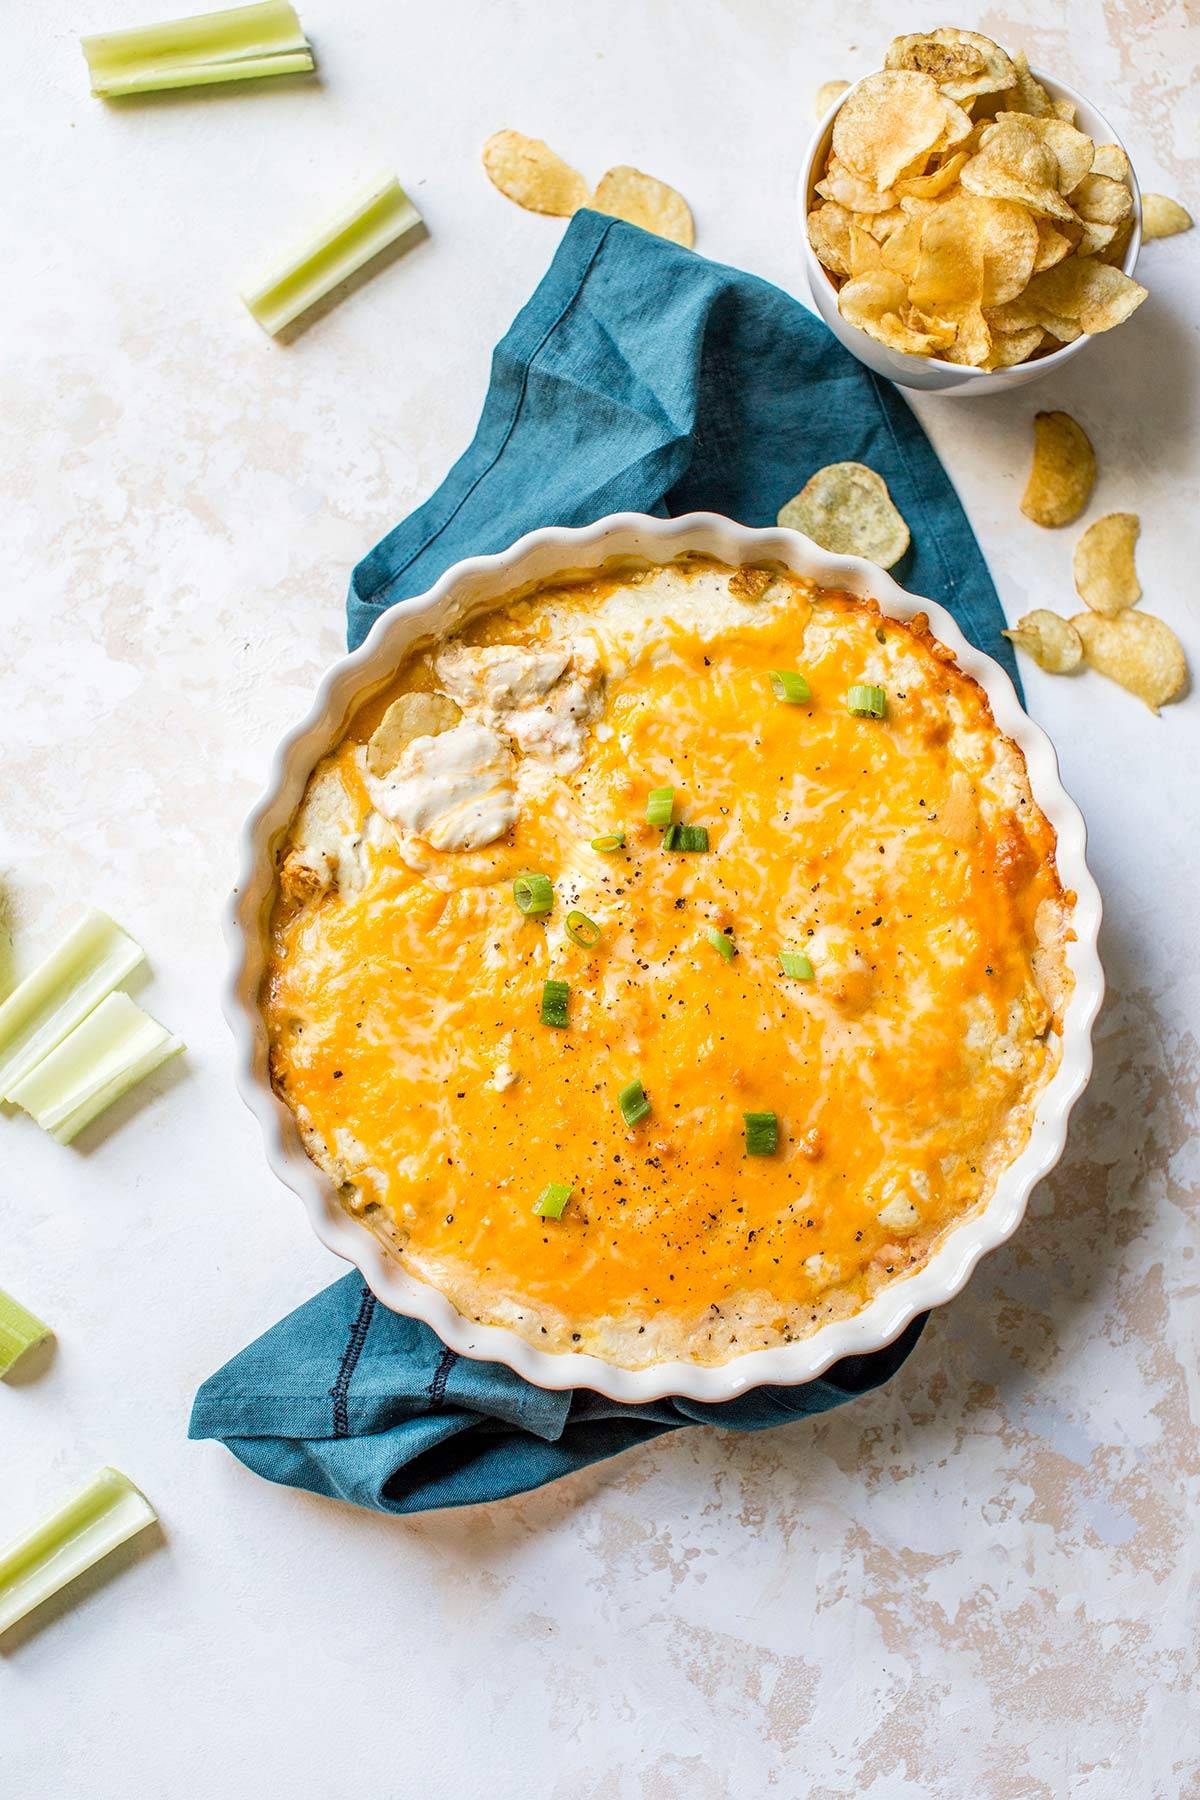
1110, 159
643, 200
1163, 217
1014, 164
1095, 295
528, 171
888, 125
1051, 640
826, 94
846, 508
963, 63
1063, 473
1105, 576
1137, 650
411, 716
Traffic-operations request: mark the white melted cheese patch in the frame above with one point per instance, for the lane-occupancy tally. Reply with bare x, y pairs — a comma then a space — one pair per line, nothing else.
543, 699
455, 791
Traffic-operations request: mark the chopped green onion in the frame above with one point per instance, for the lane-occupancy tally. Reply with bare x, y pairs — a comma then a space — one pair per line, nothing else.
115, 1047
583, 931
93, 957
794, 962
789, 686
659, 806
611, 841
633, 1102
534, 895
108, 1512
19, 1332
762, 1133
867, 702
554, 1003
685, 837
236, 45
720, 942
361, 229
552, 1200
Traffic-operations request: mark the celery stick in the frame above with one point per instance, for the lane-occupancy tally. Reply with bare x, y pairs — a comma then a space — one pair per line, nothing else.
108, 1512
94, 1065
241, 44
93, 957
347, 239
19, 1331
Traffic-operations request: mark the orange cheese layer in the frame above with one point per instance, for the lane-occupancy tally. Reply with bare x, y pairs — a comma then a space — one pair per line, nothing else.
906, 1067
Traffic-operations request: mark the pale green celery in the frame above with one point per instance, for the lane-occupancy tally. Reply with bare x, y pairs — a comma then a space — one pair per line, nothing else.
339, 247
20, 1330
115, 1047
93, 957
241, 44
108, 1512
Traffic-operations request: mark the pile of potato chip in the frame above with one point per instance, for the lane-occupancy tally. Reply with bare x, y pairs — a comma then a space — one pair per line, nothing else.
528, 171
963, 214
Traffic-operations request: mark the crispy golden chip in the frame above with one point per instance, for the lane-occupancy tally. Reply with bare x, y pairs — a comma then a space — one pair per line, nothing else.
888, 125
1014, 164
1009, 348
884, 225
1073, 150
1053, 246
901, 249
626, 193
829, 235
928, 187
1099, 200
826, 94
1163, 217
949, 268
941, 332
528, 171
972, 338
1051, 640
1115, 251
846, 508
1027, 95
1105, 576
1094, 240
844, 188
963, 63
411, 716
866, 252
1063, 473
1093, 294
1137, 650
1110, 159
874, 303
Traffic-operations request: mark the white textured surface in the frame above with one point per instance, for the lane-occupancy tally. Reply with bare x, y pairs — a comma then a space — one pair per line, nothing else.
975, 1582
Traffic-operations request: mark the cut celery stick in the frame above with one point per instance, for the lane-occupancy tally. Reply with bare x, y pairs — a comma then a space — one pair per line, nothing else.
347, 239
241, 44
19, 1331
100, 1060
108, 1512
93, 957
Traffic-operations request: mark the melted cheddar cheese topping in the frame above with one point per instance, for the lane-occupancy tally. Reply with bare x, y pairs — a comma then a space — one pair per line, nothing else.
905, 857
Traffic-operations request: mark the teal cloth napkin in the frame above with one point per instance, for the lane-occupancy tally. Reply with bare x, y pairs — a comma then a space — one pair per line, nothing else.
639, 377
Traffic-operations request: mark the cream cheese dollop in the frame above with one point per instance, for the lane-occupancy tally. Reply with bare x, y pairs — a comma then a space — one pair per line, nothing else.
543, 699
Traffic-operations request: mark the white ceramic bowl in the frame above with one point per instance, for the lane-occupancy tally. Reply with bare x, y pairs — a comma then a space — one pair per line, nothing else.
928, 372
471, 587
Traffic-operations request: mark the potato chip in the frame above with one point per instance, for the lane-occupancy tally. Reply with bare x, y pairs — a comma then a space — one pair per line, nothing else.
888, 124
873, 302
963, 63
1095, 239
844, 188
1063, 473
1027, 95
972, 339
1114, 252
1073, 150
829, 235
1093, 294
928, 187
1014, 164
1137, 650
411, 716
941, 332
884, 225
866, 252
826, 94
846, 508
528, 171
1162, 217
1110, 159
1051, 640
1010, 348
1099, 200
1105, 576
626, 193
1053, 246
901, 249
995, 243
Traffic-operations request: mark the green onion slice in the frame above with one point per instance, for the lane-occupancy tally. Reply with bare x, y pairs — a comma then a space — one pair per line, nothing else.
685, 837
659, 806
794, 962
866, 702
633, 1102
762, 1133
720, 942
240, 44
789, 686
19, 1331
116, 1046
610, 842
552, 1200
362, 228
534, 894
89, 962
108, 1512
583, 931
554, 1003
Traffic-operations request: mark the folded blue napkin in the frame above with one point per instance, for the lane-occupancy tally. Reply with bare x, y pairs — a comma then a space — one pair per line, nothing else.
640, 377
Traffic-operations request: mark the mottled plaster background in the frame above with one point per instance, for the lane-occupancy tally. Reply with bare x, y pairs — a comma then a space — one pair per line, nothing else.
980, 1582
